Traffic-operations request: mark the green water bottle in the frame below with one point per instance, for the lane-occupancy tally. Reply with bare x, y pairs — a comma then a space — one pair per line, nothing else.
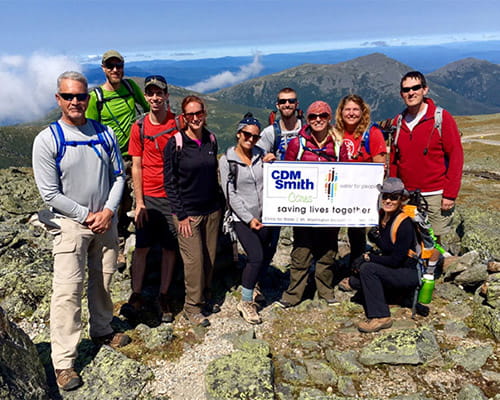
425, 293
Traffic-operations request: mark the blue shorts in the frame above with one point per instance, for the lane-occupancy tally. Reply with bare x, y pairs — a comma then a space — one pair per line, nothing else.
159, 229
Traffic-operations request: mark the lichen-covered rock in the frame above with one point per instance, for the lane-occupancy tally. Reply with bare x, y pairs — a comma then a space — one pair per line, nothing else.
450, 292
414, 396
461, 264
240, 375
492, 288
21, 372
291, 371
111, 376
345, 386
344, 361
320, 373
471, 358
456, 329
472, 276
485, 318
155, 337
411, 346
471, 392
481, 231
312, 394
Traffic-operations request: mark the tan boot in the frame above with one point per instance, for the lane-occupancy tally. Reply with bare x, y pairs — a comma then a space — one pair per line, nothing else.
68, 379
375, 324
248, 310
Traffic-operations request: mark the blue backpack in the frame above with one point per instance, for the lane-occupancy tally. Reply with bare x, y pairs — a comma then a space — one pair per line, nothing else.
104, 140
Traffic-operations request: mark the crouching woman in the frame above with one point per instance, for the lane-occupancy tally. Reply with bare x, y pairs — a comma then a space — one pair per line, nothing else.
394, 268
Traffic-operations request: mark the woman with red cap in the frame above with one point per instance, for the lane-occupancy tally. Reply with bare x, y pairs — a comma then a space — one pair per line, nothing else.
316, 142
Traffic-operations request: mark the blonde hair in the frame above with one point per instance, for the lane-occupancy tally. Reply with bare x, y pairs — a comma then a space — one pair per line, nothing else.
365, 116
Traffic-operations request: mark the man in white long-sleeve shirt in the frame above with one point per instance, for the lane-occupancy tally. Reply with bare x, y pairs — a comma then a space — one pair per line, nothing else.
79, 173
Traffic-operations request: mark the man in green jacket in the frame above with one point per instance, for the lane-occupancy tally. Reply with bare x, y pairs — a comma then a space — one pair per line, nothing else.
116, 104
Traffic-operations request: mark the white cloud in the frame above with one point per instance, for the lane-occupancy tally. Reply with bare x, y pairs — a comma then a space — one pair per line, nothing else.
228, 78
29, 84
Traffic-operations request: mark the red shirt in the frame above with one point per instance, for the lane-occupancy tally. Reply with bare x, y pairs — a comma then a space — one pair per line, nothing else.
351, 147
151, 152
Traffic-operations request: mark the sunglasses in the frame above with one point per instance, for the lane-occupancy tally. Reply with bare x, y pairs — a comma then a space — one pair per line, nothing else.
322, 116
71, 96
158, 78
112, 65
414, 88
284, 101
198, 114
249, 135
391, 196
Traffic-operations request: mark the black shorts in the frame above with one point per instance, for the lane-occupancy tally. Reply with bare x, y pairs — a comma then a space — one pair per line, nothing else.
159, 228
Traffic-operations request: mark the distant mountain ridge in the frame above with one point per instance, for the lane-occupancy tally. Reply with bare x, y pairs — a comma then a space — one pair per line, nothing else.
466, 87
374, 77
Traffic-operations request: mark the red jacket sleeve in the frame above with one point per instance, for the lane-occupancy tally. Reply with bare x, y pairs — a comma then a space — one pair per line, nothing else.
452, 146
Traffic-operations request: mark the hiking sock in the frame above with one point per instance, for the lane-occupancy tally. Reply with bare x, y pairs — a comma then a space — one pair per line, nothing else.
246, 294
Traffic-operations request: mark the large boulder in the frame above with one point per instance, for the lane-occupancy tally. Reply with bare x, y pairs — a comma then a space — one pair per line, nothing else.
21, 372
111, 376
409, 346
245, 374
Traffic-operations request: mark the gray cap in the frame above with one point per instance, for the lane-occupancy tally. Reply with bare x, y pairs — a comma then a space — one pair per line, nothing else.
155, 80
393, 185
111, 54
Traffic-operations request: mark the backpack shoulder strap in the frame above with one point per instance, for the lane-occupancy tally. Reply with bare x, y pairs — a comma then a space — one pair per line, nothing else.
365, 139
128, 86
438, 119
99, 101
277, 135
302, 145
60, 140
398, 129
395, 225
179, 141
140, 124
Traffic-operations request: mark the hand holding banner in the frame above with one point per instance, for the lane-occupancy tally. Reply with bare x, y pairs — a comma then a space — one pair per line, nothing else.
321, 193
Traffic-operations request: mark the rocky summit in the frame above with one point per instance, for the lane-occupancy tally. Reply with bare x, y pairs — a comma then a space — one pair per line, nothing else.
312, 351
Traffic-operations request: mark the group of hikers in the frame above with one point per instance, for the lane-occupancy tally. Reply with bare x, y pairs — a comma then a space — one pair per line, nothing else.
87, 164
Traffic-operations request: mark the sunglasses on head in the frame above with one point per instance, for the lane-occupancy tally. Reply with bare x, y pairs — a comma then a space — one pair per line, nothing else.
284, 101
414, 88
250, 135
322, 116
154, 78
198, 114
391, 196
113, 65
71, 96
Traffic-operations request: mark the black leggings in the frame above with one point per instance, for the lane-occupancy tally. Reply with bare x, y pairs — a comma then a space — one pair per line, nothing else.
258, 246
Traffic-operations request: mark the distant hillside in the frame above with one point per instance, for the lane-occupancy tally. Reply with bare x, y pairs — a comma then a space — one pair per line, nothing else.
475, 79
16, 140
375, 77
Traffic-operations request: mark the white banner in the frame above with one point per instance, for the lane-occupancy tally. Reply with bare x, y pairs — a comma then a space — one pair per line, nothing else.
300, 193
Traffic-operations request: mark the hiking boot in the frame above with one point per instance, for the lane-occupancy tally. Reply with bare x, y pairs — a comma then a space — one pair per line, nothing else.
375, 324
210, 307
132, 308
166, 314
114, 340
345, 286
258, 296
332, 302
248, 310
68, 379
197, 319
283, 304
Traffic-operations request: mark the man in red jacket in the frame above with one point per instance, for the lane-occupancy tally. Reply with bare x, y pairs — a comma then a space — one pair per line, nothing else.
427, 155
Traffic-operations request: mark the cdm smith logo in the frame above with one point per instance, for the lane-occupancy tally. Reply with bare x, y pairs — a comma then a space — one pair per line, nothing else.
331, 179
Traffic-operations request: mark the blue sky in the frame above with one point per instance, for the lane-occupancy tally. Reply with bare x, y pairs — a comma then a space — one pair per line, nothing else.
42, 38
209, 27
